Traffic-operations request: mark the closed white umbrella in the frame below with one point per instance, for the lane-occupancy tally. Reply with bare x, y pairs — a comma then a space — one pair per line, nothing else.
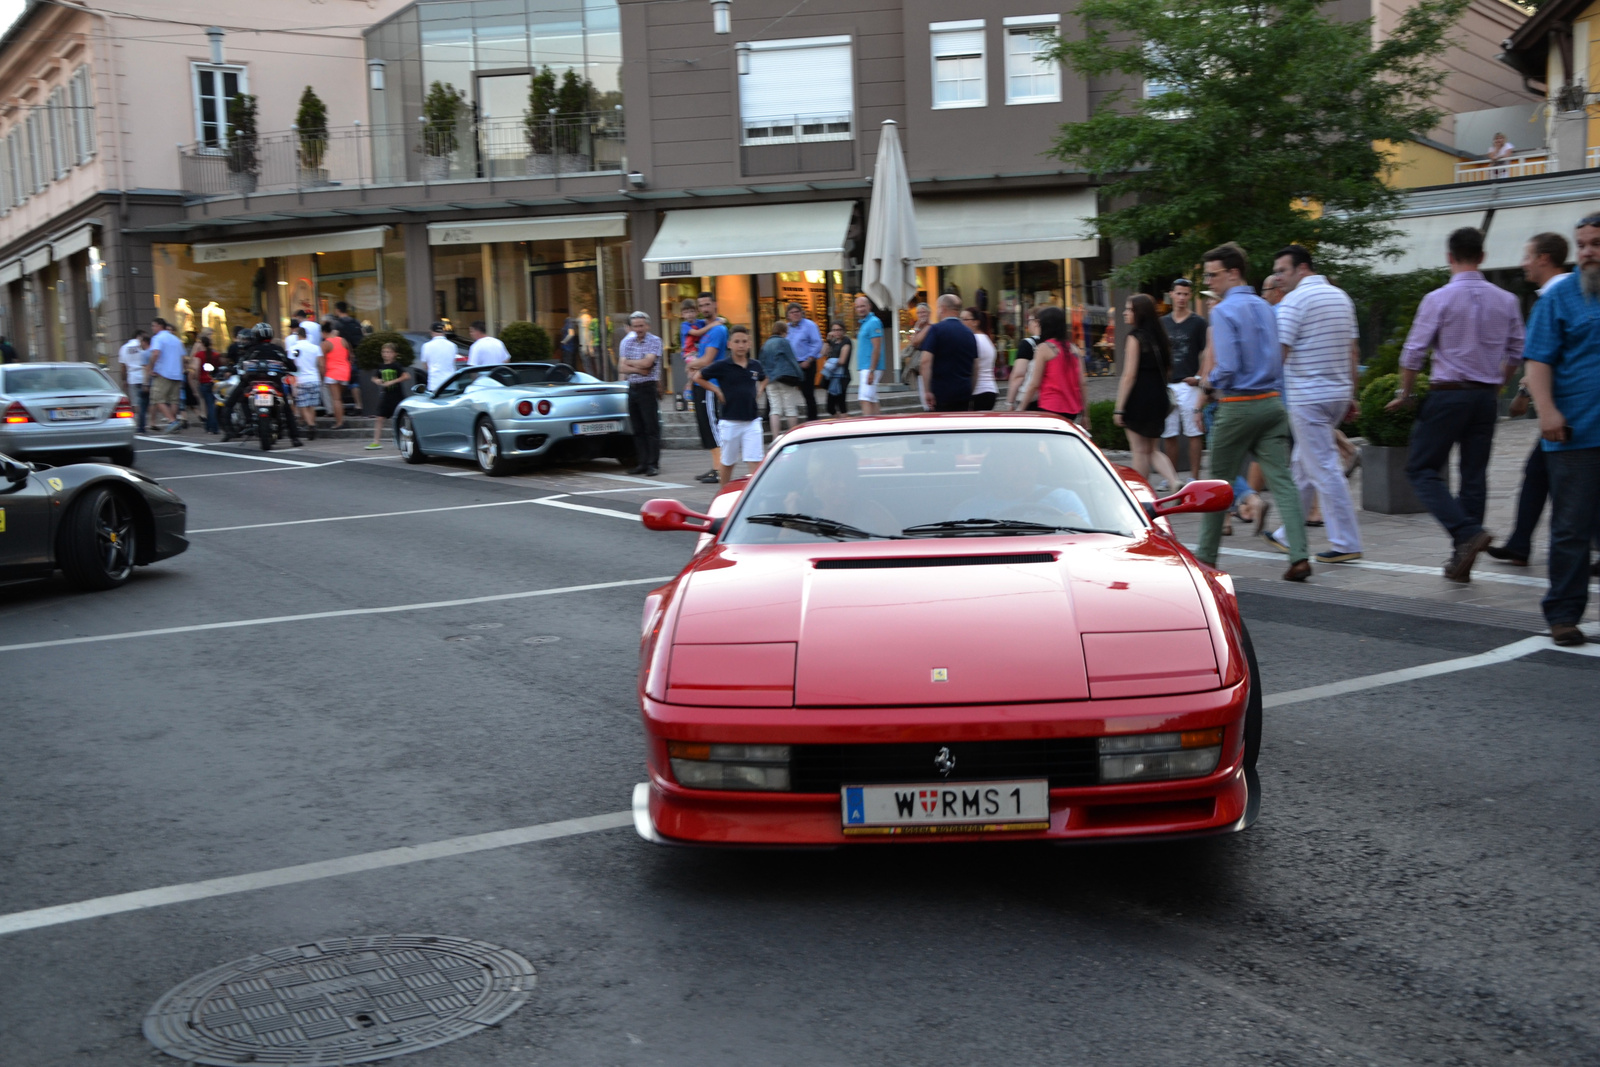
889, 265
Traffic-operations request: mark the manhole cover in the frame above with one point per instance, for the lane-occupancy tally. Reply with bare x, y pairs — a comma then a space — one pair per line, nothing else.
344, 1000
542, 639
465, 637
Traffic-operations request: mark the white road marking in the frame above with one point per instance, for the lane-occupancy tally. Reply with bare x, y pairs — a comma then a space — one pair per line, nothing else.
556, 502
1478, 575
307, 872
201, 450
371, 515
629, 489
253, 470
343, 613
611, 477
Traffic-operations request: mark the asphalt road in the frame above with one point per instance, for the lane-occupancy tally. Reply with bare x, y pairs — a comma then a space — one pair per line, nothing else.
1420, 888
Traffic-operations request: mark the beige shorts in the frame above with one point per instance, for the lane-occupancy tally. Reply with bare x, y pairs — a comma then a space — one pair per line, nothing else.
785, 399
163, 390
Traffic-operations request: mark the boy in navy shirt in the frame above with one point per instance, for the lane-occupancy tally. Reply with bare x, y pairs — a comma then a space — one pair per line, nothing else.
738, 383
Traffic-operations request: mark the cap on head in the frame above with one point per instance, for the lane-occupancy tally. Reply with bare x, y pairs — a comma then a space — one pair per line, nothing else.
437, 327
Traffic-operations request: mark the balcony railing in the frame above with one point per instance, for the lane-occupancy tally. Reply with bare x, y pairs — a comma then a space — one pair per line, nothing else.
360, 156
1521, 165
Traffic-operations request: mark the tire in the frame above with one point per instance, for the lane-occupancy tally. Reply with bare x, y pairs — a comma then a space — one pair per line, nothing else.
486, 449
1252, 712
405, 439
264, 430
99, 539
122, 457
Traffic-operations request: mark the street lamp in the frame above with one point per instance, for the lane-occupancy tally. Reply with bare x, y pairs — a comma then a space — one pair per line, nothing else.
214, 35
721, 20
741, 52
375, 75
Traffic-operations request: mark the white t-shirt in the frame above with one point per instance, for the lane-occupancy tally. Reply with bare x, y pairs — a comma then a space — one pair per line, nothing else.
439, 353
487, 350
305, 356
984, 382
313, 331
134, 359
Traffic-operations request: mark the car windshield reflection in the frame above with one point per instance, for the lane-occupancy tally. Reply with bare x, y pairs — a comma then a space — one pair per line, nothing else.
968, 484
42, 381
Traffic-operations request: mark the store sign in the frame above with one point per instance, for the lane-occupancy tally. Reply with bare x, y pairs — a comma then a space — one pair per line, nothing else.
460, 235
682, 269
211, 253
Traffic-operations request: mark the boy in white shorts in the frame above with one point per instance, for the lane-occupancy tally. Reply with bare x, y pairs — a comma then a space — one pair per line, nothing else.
738, 383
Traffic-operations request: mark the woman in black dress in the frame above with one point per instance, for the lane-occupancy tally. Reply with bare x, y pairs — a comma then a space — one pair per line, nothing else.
1142, 397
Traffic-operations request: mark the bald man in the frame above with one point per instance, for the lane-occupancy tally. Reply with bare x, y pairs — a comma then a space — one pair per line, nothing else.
949, 358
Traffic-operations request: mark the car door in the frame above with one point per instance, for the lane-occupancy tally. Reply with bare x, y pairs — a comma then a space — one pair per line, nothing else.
444, 422
25, 527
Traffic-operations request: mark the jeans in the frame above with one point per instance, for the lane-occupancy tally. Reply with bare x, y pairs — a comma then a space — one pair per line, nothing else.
1530, 502
143, 400
1319, 472
808, 387
1260, 427
644, 412
1574, 523
208, 407
1449, 418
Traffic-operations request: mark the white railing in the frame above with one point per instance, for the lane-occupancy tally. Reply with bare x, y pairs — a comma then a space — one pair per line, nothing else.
1521, 165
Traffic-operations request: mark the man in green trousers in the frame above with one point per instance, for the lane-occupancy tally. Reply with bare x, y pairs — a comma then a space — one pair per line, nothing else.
1247, 381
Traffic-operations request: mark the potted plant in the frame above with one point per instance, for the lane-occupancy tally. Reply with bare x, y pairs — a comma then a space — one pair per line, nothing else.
572, 124
528, 342
536, 122
311, 127
244, 144
1384, 485
441, 120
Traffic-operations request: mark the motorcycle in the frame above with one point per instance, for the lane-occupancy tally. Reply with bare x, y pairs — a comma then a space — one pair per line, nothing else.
266, 406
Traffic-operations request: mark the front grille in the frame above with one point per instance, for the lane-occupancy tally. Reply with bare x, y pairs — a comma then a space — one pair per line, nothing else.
933, 561
1066, 761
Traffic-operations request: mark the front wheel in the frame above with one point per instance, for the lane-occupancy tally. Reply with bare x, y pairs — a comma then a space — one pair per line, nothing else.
486, 448
99, 540
1252, 712
405, 439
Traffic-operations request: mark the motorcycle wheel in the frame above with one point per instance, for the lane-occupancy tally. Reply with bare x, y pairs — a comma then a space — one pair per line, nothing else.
264, 429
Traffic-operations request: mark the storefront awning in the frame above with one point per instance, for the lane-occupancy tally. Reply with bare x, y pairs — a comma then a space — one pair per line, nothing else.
1007, 229
305, 244
76, 241
764, 239
1422, 239
11, 272
1511, 228
557, 228
36, 260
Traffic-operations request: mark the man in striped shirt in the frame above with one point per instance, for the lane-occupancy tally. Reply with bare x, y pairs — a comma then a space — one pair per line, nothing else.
1317, 328
639, 359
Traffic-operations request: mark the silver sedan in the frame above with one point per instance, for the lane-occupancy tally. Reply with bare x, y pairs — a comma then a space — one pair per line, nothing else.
506, 412
54, 411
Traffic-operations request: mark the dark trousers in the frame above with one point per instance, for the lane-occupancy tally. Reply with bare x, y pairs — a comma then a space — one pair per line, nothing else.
983, 401
644, 412
838, 404
143, 400
808, 387
208, 406
952, 403
1530, 503
1450, 418
702, 420
1574, 524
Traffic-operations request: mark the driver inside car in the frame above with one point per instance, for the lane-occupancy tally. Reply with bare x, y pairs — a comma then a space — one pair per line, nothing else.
833, 490
1014, 487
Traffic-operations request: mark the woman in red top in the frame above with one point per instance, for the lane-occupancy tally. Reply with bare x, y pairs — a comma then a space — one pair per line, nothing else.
202, 358
1057, 377
336, 373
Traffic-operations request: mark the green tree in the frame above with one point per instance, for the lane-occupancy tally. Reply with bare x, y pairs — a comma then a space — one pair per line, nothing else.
572, 103
1269, 129
311, 123
441, 112
541, 98
244, 140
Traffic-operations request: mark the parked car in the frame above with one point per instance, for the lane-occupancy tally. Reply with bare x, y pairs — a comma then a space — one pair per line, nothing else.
509, 412
944, 627
58, 410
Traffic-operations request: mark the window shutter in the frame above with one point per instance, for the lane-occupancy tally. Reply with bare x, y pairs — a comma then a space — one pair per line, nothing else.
794, 84
958, 43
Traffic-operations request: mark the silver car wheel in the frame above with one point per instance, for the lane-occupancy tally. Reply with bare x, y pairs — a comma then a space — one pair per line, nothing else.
488, 449
408, 437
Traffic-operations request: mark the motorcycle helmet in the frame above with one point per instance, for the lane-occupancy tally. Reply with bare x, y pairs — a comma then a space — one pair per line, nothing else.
261, 331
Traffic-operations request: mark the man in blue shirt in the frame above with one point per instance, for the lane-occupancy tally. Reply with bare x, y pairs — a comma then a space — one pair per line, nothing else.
950, 358
713, 345
870, 356
1562, 372
166, 373
806, 340
1247, 379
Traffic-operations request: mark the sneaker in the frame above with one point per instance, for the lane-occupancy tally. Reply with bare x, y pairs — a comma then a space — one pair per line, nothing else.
374, 445
1333, 555
1505, 555
651, 472
1263, 509
709, 478
1567, 635
174, 426
298, 444
1298, 571
638, 470
1459, 569
1275, 543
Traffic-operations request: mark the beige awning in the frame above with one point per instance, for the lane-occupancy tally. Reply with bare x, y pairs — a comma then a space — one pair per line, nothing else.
76, 241
761, 239
1511, 228
551, 228
1007, 229
11, 272
304, 244
1422, 239
37, 260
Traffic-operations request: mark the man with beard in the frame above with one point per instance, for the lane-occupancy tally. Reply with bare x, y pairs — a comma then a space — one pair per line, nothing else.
1563, 375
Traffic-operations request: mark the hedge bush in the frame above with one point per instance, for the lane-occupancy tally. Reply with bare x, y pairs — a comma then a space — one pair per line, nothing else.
1106, 433
528, 342
369, 353
1388, 428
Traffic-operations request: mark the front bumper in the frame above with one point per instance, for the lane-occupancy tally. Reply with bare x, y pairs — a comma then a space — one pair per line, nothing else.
1221, 802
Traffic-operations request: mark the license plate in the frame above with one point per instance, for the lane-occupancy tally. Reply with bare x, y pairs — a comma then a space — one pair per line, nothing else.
73, 414
946, 807
263, 400
610, 426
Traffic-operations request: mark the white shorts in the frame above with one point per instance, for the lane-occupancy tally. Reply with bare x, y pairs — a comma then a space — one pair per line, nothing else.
1183, 417
740, 440
785, 399
865, 390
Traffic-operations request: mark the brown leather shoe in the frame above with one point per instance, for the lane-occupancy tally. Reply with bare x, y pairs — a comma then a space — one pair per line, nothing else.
1298, 571
1459, 569
1567, 635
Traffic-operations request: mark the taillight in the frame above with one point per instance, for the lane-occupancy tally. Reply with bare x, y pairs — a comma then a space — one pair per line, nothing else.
544, 407
124, 409
525, 408
16, 413
263, 387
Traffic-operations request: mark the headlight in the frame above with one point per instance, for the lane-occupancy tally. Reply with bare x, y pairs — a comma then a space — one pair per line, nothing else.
704, 766
1154, 757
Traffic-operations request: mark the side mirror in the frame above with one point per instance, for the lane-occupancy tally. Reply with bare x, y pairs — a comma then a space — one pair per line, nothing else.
13, 470
419, 390
1197, 496
671, 515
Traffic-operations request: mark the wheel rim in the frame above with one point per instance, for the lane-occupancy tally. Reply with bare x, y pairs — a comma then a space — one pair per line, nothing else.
114, 534
408, 436
488, 446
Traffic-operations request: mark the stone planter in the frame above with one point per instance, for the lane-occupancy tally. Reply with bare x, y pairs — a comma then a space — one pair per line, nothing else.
435, 168
242, 181
1385, 488
575, 164
540, 165
311, 179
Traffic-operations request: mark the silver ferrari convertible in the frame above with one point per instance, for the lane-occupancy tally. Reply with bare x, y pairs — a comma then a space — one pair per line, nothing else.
502, 414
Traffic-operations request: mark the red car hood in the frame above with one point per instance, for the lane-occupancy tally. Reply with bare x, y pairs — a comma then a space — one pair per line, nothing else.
994, 630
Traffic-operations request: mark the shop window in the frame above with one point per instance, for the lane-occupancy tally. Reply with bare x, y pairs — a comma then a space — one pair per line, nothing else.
798, 91
1032, 77
82, 115
213, 88
958, 64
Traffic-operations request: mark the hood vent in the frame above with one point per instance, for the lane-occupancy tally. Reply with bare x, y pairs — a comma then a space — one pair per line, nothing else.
933, 561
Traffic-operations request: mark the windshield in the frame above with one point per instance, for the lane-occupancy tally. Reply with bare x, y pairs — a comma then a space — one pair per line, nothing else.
997, 483
37, 381
515, 374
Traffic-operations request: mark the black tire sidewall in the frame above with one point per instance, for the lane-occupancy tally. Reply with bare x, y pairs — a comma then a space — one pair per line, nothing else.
1252, 714
77, 548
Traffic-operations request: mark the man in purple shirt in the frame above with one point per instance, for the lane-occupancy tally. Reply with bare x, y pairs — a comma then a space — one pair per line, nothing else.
1475, 331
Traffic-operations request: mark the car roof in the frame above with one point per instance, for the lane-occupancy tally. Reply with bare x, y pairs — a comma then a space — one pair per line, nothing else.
934, 422
58, 363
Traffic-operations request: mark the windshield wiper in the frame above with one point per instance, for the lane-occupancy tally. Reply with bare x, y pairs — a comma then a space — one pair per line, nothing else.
839, 531
996, 527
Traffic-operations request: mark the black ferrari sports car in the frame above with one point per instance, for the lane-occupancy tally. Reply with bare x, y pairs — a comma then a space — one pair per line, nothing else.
94, 522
